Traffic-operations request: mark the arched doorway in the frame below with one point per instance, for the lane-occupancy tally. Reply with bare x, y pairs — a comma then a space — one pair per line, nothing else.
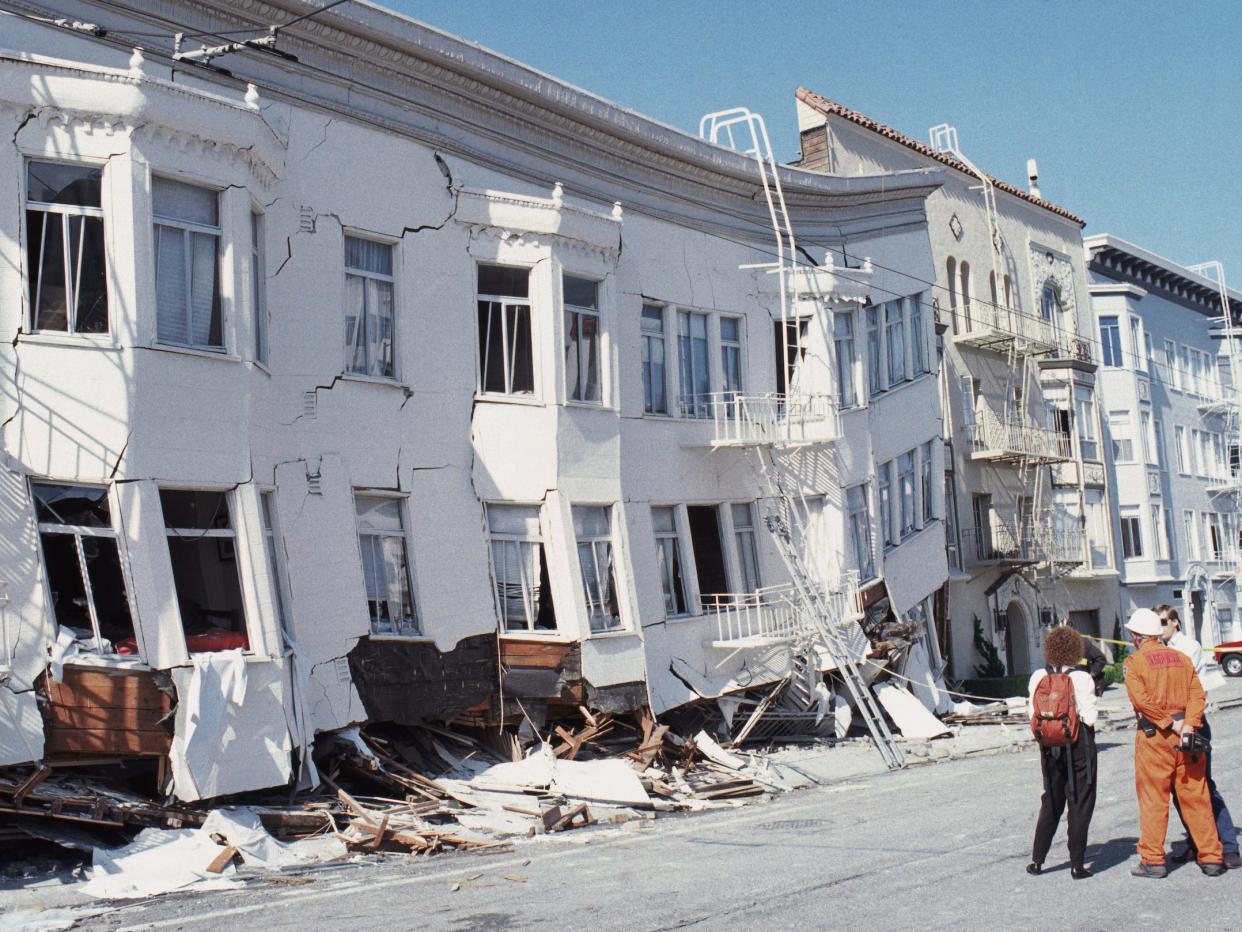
1017, 639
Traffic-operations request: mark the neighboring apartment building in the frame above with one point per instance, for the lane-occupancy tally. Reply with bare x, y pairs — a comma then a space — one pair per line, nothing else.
429, 382
1026, 484
1170, 406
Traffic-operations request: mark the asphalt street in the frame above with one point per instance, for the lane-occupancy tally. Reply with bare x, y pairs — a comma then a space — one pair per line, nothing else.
933, 847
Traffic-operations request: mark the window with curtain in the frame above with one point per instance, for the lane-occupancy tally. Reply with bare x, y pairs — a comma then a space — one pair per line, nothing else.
747, 554
65, 251
582, 338
653, 348
506, 345
860, 530
369, 319
597, 563
843, 343
731, 355
187, 264
895, 341
385, 565
693, 369
520, 568
668, 553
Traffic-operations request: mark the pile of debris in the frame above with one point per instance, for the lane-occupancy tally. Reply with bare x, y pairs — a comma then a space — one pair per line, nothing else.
375, 795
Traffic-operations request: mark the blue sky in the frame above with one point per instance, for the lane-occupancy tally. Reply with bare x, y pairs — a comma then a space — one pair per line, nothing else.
1133, 110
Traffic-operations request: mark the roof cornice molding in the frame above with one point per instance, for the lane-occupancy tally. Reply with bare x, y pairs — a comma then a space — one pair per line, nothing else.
465, 100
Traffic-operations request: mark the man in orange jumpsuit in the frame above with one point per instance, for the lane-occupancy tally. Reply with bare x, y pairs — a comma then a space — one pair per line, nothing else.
1168, 699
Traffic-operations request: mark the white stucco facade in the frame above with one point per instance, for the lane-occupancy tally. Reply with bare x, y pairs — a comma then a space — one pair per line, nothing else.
1170, 413
1029, 541
311, 271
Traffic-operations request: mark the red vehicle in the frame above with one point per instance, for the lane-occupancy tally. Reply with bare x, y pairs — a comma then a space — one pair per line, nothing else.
1229, 656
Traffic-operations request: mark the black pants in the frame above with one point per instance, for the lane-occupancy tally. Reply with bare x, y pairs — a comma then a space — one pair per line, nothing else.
1059, 792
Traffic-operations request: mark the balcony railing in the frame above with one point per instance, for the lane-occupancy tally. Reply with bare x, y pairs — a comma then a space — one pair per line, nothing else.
1223, 485
998, 328
745, 419
1026, 542
1009, 439
777, 614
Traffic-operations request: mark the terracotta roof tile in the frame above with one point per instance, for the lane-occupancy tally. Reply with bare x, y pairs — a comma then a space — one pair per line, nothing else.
830, 107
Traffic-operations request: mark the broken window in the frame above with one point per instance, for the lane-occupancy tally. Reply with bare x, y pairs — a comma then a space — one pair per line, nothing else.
593, 532
708, 552
187, 250
692, 363
202, 546
65, 247
520, 568
271, 541
83, 565
385, 565
668, 552
369, 308
582, 373
506, 348
655, 400
258, 286
747, 554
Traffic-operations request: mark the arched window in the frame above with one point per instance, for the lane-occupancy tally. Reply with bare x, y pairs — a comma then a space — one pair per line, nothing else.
965, 273
950, 266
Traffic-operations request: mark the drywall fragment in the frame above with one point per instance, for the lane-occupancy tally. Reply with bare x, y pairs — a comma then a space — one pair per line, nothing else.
908, 713
157, 861
21, 727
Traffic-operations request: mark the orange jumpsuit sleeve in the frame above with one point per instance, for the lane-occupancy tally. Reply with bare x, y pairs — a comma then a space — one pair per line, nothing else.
1195, 702
1141, 696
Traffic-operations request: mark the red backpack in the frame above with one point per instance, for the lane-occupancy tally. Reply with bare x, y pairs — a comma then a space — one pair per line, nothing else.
1054, 713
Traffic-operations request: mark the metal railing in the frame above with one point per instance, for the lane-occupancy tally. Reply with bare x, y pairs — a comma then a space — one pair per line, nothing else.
741, 419
1009, 438
988, 325
1026, 542
775, 613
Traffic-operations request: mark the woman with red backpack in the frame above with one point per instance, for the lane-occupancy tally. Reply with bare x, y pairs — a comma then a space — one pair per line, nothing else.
1063, 714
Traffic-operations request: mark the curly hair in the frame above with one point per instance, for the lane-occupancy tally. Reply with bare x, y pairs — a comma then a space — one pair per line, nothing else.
1063, 647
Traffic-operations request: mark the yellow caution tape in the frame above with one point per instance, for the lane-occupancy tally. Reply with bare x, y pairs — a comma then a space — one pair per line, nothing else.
1128, 644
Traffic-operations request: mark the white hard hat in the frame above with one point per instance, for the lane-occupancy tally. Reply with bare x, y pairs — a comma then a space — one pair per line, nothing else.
1146, 622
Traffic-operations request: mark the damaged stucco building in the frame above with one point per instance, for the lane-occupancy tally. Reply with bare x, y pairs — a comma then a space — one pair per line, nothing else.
426, 382
1026, 480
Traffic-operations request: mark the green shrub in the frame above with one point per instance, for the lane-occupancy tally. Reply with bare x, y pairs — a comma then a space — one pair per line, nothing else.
1114, 674
992, 666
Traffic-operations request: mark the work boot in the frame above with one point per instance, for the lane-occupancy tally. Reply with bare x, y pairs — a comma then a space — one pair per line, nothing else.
1233, 860
1154, 871
1213, 870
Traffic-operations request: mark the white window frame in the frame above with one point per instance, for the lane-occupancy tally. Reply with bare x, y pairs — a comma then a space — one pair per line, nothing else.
275, 556
602, 551
187, 229
648, 338
737, 346
845, 350
580, 314
745, 542
1120, 430
501, 303
1111, 352
895, 340
1085, 425
884, 484
383, 534
907, 492
1131, 533
258, 284
77, 532
365, 312
1171, 376
693, 404
72, 282
1182, 450
524, 544
859, 517
669, 550
927, 482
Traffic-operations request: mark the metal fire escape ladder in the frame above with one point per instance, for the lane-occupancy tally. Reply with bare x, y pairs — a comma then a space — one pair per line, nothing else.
1231, 334
788, 521
790, 530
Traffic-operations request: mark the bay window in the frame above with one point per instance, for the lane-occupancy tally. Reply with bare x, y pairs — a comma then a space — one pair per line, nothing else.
582, 339
520, 568
187, 264
596, 562
506, 345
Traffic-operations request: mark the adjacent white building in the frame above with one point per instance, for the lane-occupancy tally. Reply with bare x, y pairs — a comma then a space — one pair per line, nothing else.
430, 383
1026, 488
1170, 409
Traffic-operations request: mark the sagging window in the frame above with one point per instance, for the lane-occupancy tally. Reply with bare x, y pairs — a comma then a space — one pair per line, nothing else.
747, 554
82, 565
520, 568
506, 346
202, 546
596, 561
668, 552
385, 565
654, 349
258, 285
708, 550
582, 338
65, 247
791, 345
369, 316
187, 264
860, 530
